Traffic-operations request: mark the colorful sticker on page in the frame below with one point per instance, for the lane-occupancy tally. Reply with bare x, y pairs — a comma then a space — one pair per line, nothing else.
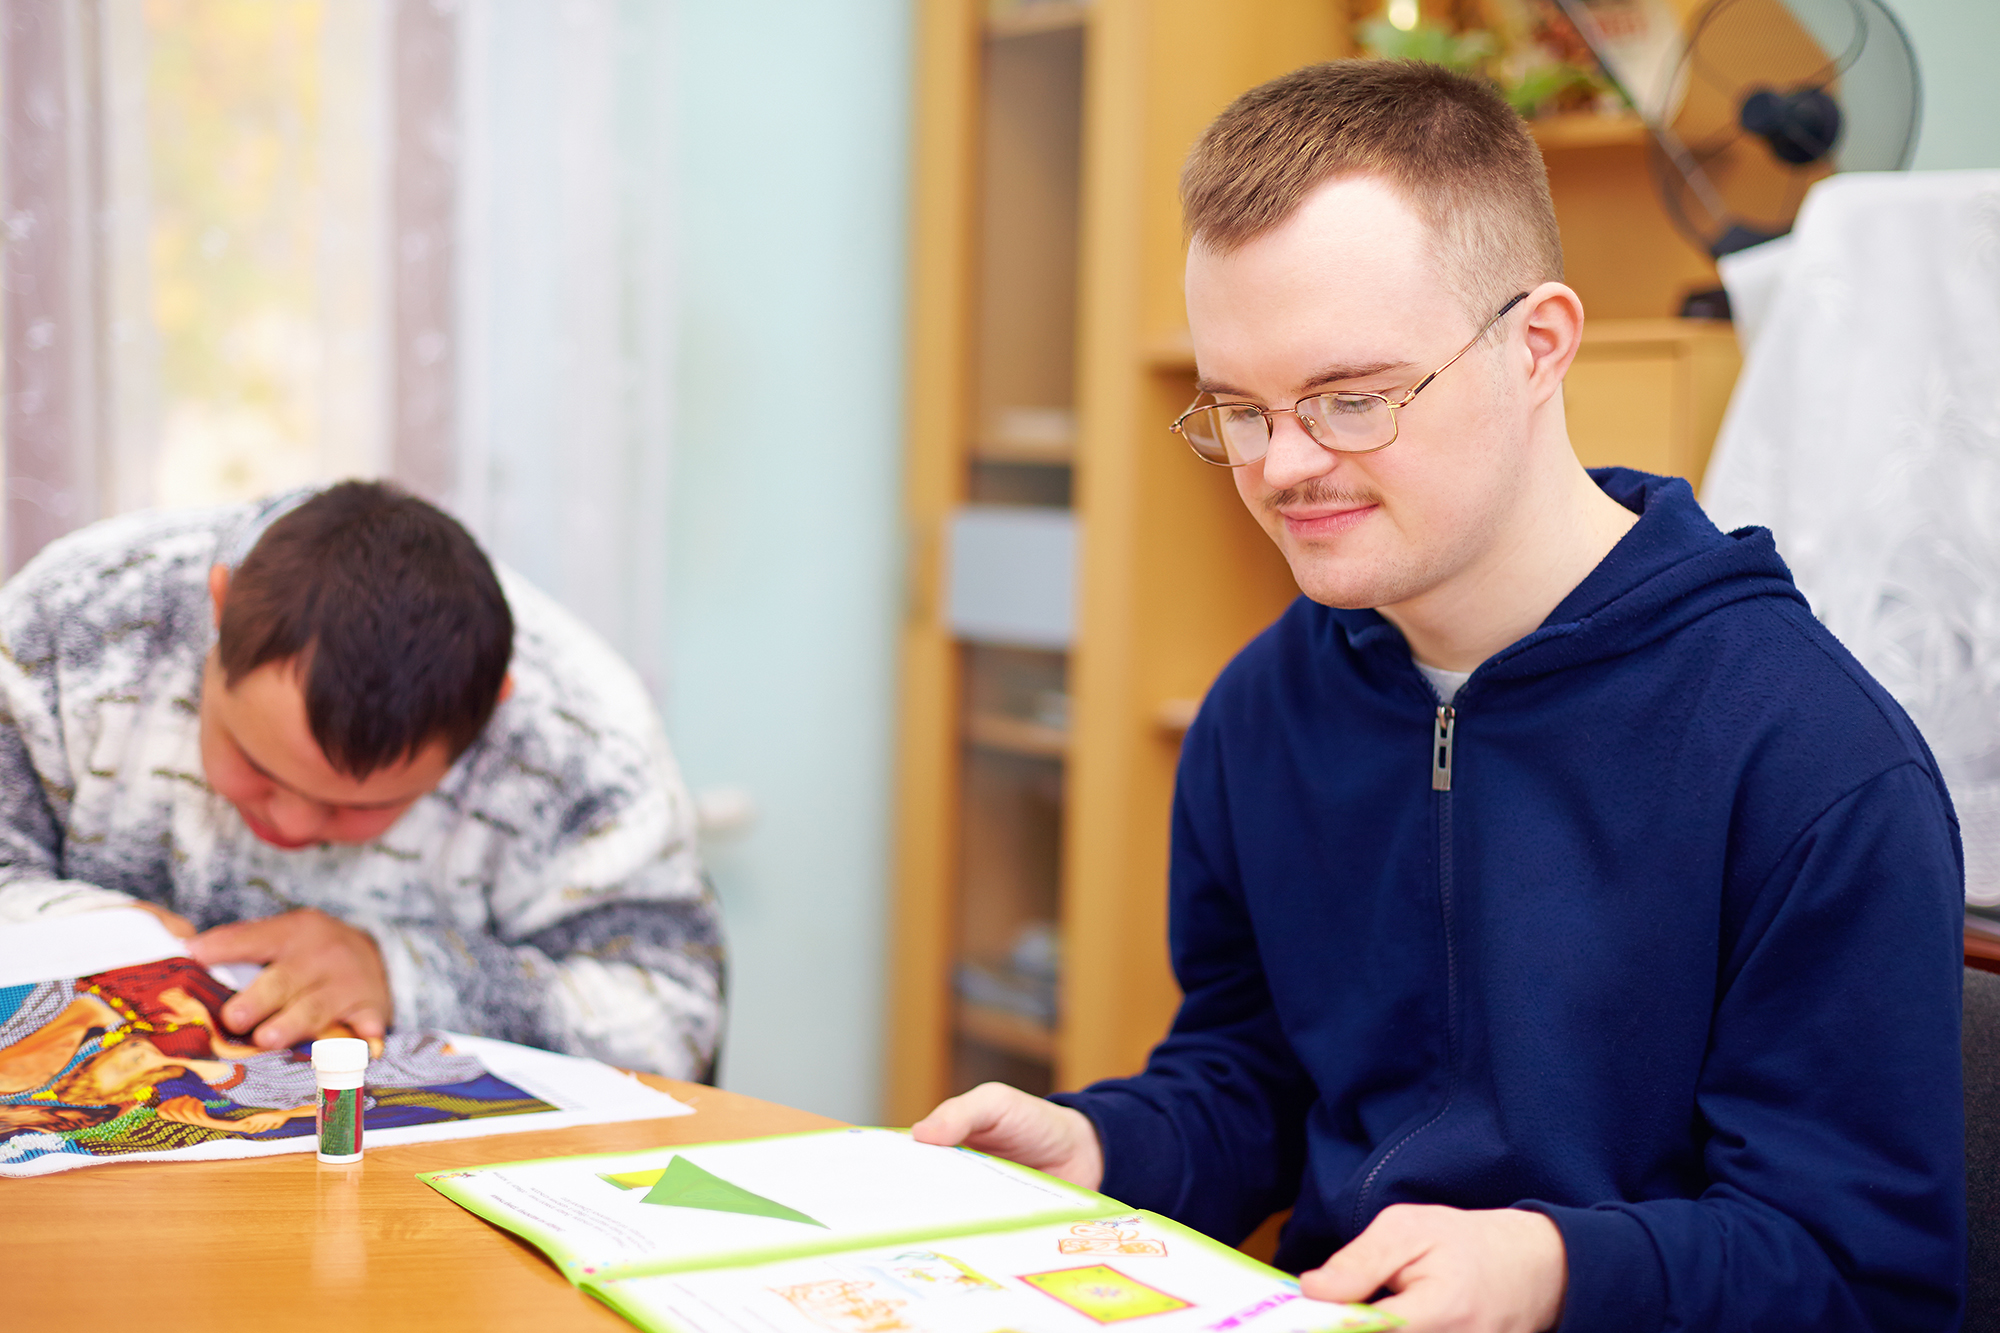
1111, 1238
1102, 1294
136, 1060
1000, 1280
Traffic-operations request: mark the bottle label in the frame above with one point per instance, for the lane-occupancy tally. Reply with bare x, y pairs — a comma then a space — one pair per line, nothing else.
339, 1118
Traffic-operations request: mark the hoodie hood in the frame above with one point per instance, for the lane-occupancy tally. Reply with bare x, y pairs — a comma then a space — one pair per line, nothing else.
1671, 568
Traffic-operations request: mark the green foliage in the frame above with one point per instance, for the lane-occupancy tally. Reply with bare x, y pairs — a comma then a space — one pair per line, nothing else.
1540, 88
1467, 52
1532, 79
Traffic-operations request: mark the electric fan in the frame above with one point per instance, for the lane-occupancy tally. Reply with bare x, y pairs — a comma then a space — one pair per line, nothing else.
1762, 99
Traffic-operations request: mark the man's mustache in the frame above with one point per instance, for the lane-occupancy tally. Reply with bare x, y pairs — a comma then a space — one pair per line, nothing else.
1317, 494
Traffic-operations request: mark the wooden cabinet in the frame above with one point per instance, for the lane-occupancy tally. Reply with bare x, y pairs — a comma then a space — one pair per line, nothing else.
1646, 390
1048, 353
1650, 393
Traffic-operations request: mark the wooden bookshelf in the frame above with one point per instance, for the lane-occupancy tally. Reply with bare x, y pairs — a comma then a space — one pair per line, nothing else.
1621, 250
1043, 282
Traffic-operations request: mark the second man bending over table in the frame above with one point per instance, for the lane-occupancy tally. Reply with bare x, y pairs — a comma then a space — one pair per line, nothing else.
322, 732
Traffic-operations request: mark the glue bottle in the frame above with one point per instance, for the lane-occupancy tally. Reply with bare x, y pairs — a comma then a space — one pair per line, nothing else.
339, 1064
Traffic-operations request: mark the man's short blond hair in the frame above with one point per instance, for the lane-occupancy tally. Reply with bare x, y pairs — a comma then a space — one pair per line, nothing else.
1454, 151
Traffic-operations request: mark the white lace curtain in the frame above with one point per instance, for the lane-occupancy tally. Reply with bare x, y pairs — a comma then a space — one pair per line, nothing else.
1865, 433
253, 243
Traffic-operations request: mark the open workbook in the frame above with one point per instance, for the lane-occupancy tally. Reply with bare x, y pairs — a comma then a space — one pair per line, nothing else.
868, 1231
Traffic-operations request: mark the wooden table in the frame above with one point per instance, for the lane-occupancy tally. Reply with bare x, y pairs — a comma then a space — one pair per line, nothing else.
283, 1242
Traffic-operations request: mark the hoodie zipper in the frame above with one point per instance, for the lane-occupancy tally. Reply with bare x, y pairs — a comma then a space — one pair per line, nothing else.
1447, 721
1442, 732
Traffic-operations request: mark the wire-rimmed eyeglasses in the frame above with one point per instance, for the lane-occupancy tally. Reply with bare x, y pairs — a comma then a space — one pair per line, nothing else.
1232, 434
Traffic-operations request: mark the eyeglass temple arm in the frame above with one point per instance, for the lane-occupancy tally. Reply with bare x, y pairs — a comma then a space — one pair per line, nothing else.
1424, 383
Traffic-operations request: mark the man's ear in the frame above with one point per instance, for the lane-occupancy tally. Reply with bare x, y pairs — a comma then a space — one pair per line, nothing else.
506, 689
218, 589
1552, 330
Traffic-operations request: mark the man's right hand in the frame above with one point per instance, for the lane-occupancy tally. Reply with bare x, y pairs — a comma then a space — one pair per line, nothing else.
994, 1118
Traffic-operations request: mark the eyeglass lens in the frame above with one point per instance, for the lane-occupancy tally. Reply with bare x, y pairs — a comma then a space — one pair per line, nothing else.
1234, 434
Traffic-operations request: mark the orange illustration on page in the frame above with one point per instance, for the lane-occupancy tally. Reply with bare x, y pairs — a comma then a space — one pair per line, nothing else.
847, 1306
1110, 1238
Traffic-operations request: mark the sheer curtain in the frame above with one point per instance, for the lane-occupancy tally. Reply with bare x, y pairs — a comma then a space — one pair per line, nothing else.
254, 243
566, 312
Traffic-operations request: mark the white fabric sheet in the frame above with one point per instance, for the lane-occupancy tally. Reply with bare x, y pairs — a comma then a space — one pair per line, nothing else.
1865, 433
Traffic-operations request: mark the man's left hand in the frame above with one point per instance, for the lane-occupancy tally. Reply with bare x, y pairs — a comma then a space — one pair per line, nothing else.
317, 971
1501, 1270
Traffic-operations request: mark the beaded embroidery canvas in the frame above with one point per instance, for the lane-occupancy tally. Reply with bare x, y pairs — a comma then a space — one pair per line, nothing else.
133, 1062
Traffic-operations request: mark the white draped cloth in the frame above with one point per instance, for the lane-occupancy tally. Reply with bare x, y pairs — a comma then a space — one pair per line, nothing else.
1865, 433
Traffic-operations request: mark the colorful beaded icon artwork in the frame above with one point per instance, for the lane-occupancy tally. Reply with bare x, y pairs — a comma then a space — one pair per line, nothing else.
137, 1060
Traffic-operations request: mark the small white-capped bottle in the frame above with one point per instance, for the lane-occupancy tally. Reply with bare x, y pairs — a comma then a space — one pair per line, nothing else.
339, 1065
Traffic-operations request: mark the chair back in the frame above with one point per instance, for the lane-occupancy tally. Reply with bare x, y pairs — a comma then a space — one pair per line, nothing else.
1981, 1045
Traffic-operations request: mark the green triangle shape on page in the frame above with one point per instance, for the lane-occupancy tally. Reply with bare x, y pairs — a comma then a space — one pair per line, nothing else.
685, 1185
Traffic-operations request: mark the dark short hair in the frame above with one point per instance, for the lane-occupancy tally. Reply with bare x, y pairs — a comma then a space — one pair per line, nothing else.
1446, 142
392, 612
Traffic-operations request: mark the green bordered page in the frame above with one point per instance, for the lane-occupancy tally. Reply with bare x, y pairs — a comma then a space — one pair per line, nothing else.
662, 1210
1049, 1277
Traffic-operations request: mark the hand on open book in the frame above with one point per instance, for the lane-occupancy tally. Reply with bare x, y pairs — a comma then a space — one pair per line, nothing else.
318, 971
1007, 1122
1452, 1270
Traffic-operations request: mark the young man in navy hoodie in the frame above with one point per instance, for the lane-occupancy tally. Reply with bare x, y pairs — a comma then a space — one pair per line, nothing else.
1568, 925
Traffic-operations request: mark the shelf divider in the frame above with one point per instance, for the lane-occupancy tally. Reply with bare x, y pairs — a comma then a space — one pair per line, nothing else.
1015, 735
1007, 1032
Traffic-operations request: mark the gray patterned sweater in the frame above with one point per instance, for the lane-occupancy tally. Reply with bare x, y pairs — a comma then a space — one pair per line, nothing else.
547, 892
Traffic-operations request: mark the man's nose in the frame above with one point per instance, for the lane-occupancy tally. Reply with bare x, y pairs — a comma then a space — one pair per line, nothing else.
1294, 456
294, 816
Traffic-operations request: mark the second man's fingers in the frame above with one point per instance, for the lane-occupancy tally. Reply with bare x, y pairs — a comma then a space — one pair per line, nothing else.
269, 994
238, 942
313, 1013
367, 1023
306, 1016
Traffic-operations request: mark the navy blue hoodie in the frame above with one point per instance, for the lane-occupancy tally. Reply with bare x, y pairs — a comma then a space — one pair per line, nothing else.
1674, 959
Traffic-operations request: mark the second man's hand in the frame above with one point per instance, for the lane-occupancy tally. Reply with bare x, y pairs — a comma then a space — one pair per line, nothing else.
317, 971
994, 1118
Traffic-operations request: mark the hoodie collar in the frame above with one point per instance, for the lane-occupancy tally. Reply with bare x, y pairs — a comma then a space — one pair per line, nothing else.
1671, 567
